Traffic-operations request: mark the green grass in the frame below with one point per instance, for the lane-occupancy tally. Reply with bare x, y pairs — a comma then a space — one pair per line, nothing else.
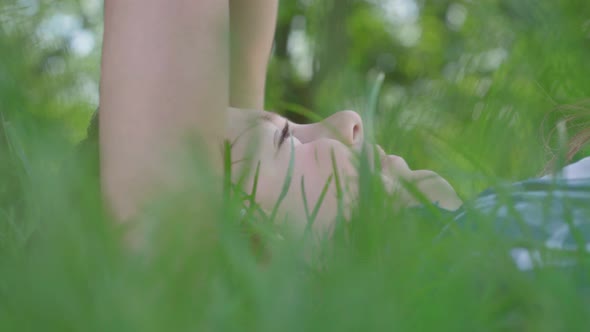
383, 271
63, 267
206, 266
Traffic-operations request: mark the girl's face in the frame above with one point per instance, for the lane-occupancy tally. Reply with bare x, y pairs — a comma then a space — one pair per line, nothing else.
271, 141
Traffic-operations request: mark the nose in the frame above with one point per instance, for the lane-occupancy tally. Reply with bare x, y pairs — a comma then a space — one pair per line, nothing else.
345, 126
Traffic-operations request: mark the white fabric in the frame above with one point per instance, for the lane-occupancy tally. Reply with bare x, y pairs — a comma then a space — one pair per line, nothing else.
577, 170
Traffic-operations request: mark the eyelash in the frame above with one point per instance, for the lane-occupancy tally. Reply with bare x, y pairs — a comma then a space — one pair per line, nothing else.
284, 134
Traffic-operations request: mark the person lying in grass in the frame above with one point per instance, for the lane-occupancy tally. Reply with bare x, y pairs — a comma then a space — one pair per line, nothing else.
299, 167
292, 165
308, 163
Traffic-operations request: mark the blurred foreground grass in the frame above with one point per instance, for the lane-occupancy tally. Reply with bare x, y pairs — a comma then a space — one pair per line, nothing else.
62, 266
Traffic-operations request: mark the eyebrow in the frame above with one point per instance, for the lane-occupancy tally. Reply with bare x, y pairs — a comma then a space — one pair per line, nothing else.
267, 117
272, 118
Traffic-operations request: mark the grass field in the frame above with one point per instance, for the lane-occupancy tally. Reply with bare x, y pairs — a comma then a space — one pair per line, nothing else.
63, 266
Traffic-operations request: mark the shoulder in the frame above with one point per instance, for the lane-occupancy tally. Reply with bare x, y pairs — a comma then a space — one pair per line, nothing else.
577, 170
547, 211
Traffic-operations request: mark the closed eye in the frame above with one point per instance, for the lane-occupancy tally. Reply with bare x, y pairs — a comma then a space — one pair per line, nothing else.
285, 133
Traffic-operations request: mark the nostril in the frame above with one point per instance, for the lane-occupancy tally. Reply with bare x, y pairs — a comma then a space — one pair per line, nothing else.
345, 126
355, 133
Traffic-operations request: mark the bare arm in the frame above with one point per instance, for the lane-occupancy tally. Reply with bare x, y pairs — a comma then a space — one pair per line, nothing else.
164, 75
252, 28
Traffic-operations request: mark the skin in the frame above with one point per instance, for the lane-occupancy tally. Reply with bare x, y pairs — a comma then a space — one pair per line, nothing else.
254, 136
252, 25
170, 69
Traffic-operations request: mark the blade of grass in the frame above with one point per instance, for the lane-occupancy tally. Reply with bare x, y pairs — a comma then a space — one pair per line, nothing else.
301, 110
286, 183
372, 107
14, 146
304, 198
226, 171
339, 199
255, 184
320, 201
311, 218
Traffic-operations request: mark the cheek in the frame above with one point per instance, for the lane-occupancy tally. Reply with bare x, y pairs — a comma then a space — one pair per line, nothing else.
314, 165
272, 175
321, 158
248, 153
